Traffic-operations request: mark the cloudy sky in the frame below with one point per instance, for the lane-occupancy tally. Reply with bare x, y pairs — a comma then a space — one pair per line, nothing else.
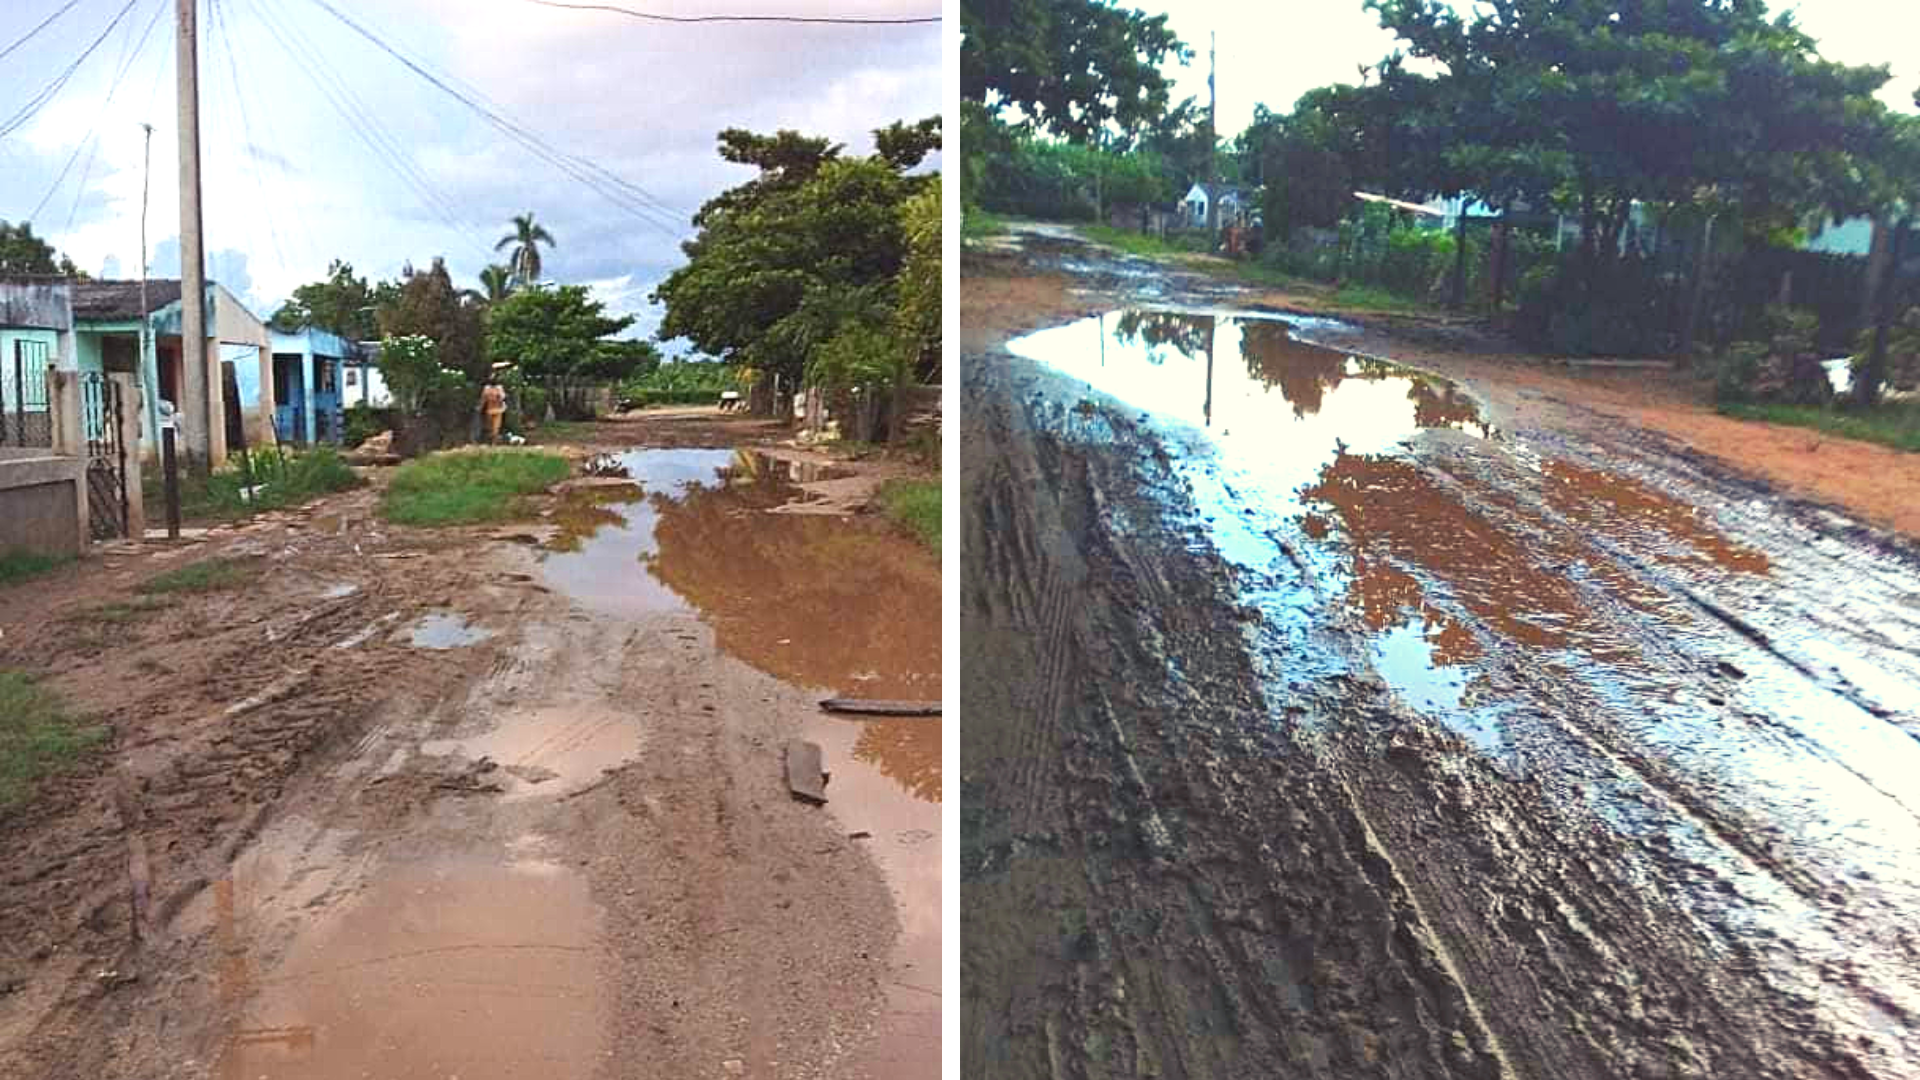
318, 145
1272, 53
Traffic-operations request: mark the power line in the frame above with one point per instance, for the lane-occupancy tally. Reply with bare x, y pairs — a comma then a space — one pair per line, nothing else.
624, 194
92, 142
38, 101
366, 126
35, 32
652, 16
249, 155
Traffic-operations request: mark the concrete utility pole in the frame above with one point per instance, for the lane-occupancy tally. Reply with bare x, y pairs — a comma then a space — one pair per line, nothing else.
146, 324
1213, 141
197, 386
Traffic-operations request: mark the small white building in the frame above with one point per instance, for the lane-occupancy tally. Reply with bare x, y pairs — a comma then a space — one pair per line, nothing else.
1234, 204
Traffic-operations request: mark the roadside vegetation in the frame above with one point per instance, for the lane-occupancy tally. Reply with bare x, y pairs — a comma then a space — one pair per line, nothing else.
916, 505
1588, 216
465, 487
270, 478
17, 566
1889, 423
40, 737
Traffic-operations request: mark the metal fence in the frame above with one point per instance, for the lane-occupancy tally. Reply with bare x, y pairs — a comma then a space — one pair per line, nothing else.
25, 419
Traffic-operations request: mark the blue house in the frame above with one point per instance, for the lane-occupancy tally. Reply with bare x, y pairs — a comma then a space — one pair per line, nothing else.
309, 368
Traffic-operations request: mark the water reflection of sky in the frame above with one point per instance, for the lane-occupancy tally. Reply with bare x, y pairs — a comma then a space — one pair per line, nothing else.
1302, 431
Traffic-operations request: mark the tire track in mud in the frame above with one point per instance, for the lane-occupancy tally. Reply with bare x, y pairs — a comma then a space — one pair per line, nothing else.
1452, 918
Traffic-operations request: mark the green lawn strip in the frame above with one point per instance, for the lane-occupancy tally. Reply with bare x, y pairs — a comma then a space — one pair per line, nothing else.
16, 566
1894, 423
915, 504
468, 487
39, 737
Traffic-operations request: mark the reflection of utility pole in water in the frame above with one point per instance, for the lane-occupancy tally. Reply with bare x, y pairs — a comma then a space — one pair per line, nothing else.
1207, 408
1103, 339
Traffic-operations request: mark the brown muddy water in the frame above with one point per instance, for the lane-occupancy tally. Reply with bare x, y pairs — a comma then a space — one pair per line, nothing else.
1739, 700
814, 601
447, 967
482, 959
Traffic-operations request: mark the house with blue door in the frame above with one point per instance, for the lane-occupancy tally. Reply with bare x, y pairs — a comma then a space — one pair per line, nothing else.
309, 375
36, 330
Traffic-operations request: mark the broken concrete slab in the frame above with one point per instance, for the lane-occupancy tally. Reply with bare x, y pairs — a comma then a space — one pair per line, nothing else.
805, 778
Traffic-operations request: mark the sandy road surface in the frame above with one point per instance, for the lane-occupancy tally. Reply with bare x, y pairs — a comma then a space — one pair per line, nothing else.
1328, 717
491, 802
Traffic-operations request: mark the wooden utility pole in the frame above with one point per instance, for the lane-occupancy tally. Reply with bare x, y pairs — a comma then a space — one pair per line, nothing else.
196, 385
1213, 141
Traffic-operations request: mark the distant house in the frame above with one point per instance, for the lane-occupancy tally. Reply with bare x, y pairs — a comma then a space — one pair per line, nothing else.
364, 384
309, 379
1236, 205
1853, 236
36, 330
108, 317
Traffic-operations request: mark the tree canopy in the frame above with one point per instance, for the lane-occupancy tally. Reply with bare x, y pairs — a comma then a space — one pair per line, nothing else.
341, 304
426, 304
784, 262
21, 252
563, 332
1071, 67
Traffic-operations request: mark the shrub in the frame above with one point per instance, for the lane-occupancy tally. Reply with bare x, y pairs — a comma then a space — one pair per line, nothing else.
1783, 367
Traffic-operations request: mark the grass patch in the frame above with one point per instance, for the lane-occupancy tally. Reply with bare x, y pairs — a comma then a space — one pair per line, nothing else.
1135, 243
978, 224
39, 737
467, 487
118, 613
265, 479
209, 575
915, 504
1890, 423
21, 565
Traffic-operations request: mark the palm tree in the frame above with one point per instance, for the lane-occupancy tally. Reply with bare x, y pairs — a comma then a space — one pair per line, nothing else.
525, 240
497, 281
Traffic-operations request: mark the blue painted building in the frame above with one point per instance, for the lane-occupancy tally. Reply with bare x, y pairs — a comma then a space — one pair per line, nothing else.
309, 370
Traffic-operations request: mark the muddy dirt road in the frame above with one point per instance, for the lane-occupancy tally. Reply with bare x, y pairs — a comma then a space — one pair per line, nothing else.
497, 802
1333, 716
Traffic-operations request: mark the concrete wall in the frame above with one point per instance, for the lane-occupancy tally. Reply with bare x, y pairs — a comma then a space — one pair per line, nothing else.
43, 503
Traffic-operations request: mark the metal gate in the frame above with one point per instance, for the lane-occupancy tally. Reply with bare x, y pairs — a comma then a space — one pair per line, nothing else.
101, 416
24, 418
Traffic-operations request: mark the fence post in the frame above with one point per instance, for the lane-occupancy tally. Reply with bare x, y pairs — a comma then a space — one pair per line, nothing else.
69, 436
132, 424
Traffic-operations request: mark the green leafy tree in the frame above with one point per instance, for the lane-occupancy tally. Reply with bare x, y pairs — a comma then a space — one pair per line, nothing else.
426, 303
549, 333
342, 304
1072, 67
410, 363
525, 241
784, 262
21, 252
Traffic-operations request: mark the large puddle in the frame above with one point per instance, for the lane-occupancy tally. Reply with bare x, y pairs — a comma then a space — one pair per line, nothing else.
814, 601
441, 968
1551, 613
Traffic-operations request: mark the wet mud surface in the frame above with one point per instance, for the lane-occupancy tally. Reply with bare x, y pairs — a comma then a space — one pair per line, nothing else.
491, 802
1330, 716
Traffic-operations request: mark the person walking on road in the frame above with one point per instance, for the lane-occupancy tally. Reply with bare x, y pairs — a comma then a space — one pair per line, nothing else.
493, 403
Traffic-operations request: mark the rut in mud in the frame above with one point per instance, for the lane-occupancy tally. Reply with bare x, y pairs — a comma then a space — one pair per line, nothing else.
1324, 721
543, 829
